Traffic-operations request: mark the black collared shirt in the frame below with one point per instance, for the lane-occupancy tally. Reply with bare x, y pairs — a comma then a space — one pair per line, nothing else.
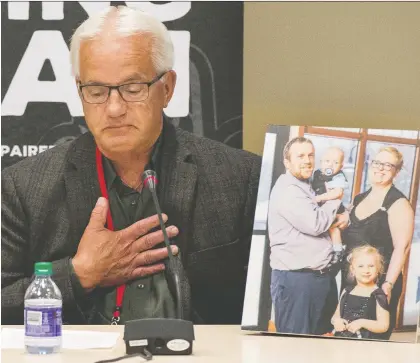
145, 297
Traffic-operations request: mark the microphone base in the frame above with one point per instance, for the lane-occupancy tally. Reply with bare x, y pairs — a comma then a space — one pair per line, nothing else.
159, 336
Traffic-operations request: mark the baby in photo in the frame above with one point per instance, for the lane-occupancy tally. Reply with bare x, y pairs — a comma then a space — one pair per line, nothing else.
363, 311
329, 183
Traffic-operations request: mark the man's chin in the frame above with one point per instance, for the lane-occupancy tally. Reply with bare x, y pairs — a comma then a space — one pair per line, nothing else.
303, 177
306, 174
117, 144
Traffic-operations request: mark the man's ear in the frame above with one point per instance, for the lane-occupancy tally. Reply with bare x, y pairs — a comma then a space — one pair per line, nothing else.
77, 80
286, 163
169, 82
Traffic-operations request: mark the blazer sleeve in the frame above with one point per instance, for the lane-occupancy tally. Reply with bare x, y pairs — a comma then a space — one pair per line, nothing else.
16, 274
221, 302
250, 204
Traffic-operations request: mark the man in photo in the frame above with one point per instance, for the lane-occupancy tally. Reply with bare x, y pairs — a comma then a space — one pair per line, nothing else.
303, 287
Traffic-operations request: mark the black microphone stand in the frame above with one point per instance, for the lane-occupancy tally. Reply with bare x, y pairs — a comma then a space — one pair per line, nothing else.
173, 268
161, 336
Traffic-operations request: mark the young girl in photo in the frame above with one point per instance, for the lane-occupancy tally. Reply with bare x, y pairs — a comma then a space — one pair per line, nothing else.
362, 311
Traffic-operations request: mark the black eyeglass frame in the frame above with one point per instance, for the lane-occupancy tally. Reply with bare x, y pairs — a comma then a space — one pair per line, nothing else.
385, 166
117, 87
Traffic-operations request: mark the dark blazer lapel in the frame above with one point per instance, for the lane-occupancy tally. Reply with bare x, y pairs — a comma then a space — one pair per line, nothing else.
176, 196
81, 182
178, 183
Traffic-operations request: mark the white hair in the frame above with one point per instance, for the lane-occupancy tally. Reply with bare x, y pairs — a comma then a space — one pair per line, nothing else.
128, 22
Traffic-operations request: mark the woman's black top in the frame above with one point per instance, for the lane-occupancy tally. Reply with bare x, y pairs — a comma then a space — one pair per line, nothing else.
374, 229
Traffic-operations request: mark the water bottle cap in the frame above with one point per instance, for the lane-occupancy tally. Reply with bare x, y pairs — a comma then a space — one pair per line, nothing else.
43, 268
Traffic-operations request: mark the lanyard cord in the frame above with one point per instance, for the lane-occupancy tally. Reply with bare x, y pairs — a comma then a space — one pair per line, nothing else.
110, 224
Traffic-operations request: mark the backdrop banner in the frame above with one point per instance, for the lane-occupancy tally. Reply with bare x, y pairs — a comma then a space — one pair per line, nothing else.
40, 105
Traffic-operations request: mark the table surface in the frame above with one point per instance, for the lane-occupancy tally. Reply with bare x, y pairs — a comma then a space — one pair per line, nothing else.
227, 343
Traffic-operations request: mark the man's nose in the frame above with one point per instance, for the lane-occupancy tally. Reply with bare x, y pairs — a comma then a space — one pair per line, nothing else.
116, 106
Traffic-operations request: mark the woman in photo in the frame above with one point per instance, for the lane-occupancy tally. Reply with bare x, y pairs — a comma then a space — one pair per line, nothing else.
383, 217
362, 311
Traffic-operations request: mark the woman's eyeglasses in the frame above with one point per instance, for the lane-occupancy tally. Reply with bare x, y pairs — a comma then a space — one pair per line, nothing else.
385, 166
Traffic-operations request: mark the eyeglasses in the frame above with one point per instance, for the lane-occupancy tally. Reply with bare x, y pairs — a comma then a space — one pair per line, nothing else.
129, 92
386, 166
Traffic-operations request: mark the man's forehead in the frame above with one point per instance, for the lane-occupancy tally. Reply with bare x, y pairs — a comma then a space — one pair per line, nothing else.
116, 59
299, 147
123, 77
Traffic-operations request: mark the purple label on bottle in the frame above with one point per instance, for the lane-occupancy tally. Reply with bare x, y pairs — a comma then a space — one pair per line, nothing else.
43, 322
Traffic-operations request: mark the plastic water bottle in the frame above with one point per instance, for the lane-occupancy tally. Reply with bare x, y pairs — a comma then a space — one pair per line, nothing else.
42, 317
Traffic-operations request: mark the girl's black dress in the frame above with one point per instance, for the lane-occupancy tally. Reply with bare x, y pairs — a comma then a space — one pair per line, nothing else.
353, 307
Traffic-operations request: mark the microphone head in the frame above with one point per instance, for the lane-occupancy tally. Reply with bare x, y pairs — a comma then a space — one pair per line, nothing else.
149, 179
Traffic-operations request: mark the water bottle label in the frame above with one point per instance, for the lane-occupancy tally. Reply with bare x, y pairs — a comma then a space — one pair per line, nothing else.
43, 322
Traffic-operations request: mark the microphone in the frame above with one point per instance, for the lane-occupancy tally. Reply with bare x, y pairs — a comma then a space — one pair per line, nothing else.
150, 181
161, 336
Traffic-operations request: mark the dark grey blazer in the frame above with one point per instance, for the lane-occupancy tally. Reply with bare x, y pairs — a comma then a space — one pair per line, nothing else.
207, 189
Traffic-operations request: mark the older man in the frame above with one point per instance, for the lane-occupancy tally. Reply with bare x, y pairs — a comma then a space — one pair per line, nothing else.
81, 205
303, 286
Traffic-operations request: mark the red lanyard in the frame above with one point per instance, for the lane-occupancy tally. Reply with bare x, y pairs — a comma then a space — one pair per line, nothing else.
102, 184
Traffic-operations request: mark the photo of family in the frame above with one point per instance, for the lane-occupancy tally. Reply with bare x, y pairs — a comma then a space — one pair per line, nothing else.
336, 243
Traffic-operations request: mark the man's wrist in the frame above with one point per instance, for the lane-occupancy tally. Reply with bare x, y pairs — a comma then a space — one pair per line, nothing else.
83, 278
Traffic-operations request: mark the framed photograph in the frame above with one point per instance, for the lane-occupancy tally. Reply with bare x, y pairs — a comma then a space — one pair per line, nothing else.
418, 310
335, 250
